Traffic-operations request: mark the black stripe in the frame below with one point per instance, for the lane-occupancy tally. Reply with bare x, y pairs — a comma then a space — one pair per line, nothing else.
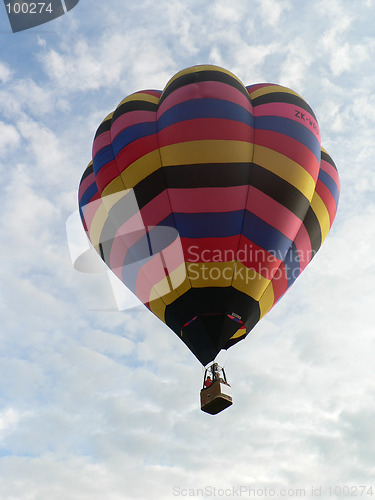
207, 175
279, 190
122, 211
138, 105
101, 251
89, 170
103, 127
312, 226
326, 157
150, 187
105, 247
283, 97
203, 76
222, 175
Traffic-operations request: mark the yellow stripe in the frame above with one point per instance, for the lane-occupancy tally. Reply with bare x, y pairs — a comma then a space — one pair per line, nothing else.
322, 215
204, 274
141, 168
111, 200
108, 117
210, 151
97, 226
270, 89
198, 68
157, 306
285, 168
140, 96
115, 186
159, 299
267, 300
239, 333
248, 281
172, 286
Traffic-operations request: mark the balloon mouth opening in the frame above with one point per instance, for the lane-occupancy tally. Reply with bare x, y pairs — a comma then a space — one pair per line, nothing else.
234, 317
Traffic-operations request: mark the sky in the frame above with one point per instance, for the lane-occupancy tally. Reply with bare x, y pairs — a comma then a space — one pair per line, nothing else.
97, 403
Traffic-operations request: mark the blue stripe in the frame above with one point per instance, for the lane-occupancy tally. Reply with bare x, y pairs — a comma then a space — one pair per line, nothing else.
265, 236
144, 250
151, 243
102, 157
205, 108
327, 180
292, 129
292, 265
87, 196
130, 274
209, 225
131, 134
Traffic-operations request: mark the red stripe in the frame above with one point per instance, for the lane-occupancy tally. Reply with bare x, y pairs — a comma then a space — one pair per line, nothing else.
210, 249
255, 257
303, 245
219, 199
279, 282
106, 175
228, 249
135, 150
200, 129
290, 148
328, 200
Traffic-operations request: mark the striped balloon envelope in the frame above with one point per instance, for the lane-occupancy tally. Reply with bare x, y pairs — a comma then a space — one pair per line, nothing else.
208, 199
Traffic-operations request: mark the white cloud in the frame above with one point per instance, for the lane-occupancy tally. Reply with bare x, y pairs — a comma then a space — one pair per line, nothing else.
9, 419
5, 73
272, 10
9, 138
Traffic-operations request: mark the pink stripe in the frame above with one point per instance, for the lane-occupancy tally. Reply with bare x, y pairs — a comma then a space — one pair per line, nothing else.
291, 148
131, 118
155, 93
256, 86
90, 209
273, 212
153, 271
291, 112
100, 142
303, 246
218, 199
135, 228
86, 183
212, 90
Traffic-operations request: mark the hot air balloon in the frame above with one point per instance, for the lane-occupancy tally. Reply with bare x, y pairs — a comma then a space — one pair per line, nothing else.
208, 199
